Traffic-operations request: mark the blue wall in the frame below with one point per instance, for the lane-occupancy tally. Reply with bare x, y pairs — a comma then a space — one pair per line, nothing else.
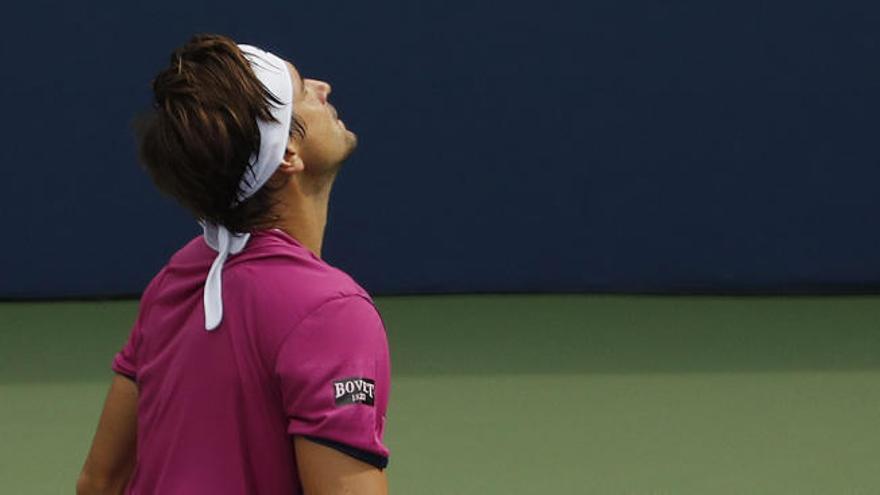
558, 146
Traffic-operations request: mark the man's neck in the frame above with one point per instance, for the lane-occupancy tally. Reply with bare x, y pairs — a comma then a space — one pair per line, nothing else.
303, 213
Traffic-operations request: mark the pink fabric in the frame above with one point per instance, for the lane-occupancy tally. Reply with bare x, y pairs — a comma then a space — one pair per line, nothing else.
299, 344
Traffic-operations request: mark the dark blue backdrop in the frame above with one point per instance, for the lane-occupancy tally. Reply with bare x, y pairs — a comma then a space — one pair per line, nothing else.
517, 146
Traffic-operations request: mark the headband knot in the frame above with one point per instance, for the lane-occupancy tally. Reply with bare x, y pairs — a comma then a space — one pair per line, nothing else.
274, 75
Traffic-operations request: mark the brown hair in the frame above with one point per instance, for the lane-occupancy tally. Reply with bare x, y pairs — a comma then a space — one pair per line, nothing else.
197, 143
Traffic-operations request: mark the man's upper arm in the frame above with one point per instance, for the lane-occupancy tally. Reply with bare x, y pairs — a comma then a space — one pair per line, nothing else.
326, 471
111, 458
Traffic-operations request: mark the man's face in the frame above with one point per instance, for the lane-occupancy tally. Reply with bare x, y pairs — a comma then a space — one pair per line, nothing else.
327, 142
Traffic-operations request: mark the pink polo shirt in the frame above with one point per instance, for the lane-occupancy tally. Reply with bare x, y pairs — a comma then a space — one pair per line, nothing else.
301, 351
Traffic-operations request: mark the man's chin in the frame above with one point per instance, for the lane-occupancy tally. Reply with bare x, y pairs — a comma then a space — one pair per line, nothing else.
350, 146
351, 143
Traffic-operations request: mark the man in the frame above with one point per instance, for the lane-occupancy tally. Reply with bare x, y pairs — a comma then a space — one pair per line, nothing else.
253, 367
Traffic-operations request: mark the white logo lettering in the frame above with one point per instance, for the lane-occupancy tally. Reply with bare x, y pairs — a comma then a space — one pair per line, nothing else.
354, 391
340, 389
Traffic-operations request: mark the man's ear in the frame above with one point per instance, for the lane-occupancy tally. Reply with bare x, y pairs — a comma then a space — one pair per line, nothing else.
291, 163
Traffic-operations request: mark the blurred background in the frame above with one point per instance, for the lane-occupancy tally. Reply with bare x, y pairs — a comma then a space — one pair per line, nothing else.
623, 247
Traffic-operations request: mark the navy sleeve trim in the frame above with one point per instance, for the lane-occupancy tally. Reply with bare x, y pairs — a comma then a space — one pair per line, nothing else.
370, 458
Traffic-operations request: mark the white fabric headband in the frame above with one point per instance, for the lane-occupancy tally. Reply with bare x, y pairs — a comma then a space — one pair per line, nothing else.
273, 72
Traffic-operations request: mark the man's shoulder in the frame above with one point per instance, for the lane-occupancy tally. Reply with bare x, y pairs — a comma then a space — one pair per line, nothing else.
289, 274
280, 300
286, 283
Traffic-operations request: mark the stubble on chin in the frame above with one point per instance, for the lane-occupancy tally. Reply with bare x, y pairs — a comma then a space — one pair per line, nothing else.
351, 142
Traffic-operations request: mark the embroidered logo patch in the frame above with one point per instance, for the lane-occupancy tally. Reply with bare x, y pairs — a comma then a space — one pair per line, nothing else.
354, 391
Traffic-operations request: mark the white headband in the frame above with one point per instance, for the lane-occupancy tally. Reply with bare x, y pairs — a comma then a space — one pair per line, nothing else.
273, 72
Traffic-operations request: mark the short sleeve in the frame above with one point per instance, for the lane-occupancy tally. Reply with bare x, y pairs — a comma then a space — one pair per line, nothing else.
125, 361
334, 374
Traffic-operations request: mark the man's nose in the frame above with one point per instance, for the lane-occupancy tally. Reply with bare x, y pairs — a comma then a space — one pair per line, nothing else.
323, 88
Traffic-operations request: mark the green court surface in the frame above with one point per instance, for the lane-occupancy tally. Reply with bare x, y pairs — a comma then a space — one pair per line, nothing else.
573, 394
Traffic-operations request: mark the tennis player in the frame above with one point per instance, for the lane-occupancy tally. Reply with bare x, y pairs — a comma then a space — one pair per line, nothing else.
253, 367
